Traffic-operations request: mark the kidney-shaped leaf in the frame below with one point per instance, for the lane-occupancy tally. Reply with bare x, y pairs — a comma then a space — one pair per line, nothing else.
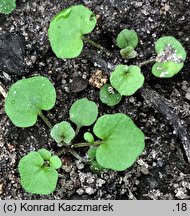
67, 28
109, 96
62, 132
170, 57
83, 112
35, 177
27, 97
127, 80
122, 141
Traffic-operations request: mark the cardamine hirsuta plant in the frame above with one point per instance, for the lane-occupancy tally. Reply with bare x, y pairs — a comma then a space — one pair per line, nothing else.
114, 142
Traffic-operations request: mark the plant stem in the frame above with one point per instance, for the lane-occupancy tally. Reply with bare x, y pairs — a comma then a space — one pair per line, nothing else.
85, 144
91, 42
147, 62
48, 123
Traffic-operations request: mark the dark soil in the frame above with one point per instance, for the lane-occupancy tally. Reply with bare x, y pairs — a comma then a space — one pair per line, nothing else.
162, 172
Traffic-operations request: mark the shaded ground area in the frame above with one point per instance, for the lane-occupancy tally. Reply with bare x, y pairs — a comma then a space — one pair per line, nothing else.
161, 172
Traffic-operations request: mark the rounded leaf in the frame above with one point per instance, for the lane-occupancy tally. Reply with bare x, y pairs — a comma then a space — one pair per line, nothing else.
127, 38
62, 132
170, 57
166, 69
127, 80
173, 49
66, 30
7, 6
45, 154
27, 97
35, 177
109, 96
122, 141
89, 137
83, 112
55, 162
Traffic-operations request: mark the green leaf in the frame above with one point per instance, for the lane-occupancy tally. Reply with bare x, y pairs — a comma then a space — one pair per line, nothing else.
92, 153
96, 167
7, 6
170, 57
173, 46
109, 96
45, 154
27, 97
127, 38
166, 69
127, 80
83, 112
122, 141
62, 132
67, 28
35, 176
128, 52
55, 162
89, 137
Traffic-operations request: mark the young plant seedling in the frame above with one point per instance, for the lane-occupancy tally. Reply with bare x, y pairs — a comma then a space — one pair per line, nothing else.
109, 96
127, 40
7, 6
62, 132
127, 79
67, 30
27, 98
121, 141
83, 113
38, 172
170, 57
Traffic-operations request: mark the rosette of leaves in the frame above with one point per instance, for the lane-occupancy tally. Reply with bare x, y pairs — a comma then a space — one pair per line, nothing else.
83, 112
109, 96
67, 29
27, 98
170, 57
121, 141
127, 79
38, 172
7, 6
127, 40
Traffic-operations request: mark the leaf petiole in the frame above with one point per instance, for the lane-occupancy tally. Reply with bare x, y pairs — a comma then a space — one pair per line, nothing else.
47, 122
